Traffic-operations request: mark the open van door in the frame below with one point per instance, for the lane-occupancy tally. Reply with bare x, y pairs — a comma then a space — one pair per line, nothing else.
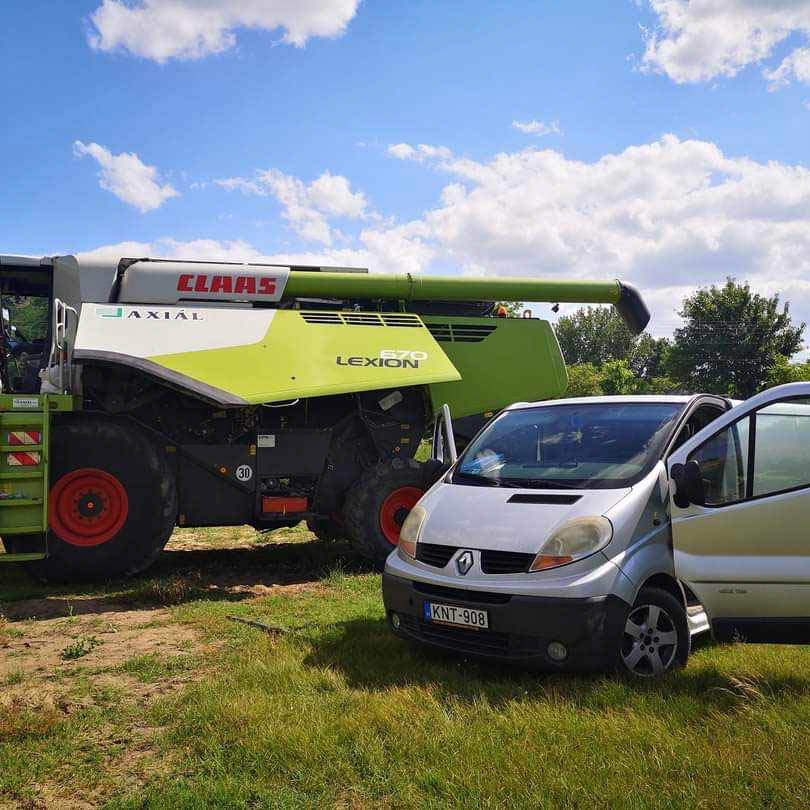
740, 501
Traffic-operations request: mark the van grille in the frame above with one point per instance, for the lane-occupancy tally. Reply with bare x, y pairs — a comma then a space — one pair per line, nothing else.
458, 595
505, 562
460, 333
474, 642
435, 555
493, 561
362, 319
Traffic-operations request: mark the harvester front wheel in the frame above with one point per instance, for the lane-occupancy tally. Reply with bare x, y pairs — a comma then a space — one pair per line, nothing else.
326, 529
379, 502
112, 503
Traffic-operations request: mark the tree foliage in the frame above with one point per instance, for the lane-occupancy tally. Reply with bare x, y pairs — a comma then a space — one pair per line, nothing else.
598, 335
732, 340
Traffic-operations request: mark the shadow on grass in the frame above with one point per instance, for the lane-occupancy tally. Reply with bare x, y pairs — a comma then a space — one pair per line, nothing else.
369, 656
178, 576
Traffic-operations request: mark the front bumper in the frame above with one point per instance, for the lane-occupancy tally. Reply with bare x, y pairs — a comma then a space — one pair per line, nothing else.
520, 627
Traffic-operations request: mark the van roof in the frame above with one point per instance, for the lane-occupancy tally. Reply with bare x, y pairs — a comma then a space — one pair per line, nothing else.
678, 399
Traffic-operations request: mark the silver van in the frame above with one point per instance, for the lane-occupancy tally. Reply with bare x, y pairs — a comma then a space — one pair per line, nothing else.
549, 539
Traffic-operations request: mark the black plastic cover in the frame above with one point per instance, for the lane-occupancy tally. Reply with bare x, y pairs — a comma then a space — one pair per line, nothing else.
632, 308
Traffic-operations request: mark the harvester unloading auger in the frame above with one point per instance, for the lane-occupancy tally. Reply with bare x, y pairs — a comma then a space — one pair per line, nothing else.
166, 393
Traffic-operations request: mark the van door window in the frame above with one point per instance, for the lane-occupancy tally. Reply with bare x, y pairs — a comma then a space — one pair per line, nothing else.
723, 463
781, 458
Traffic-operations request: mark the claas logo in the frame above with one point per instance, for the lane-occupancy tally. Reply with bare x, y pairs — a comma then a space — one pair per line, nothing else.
235, 285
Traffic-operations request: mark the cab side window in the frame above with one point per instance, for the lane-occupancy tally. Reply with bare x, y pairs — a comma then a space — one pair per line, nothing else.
697, 421
781, 453
723, 463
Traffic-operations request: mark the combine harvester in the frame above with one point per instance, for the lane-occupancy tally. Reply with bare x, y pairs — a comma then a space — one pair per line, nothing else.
184, 393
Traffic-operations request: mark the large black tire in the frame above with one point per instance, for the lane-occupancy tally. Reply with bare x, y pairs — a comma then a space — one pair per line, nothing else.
326, 529
86, 507
378, 502
652, 648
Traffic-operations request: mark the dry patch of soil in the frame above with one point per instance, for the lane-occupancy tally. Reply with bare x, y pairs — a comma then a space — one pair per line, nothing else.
52, 667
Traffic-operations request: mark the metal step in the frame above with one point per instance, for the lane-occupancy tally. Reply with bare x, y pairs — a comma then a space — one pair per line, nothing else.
697, 619
22, 557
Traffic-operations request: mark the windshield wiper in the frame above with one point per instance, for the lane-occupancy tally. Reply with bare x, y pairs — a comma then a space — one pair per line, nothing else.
482, 479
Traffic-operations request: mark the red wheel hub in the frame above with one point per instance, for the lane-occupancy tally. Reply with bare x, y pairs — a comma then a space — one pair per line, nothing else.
88, 507
395, 509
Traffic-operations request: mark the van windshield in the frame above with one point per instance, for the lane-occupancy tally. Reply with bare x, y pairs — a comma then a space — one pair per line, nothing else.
589, 446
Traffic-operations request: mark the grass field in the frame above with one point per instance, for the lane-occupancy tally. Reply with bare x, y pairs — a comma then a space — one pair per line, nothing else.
147, 694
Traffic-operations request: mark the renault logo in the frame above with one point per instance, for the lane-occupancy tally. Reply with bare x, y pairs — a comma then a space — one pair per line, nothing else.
464, 562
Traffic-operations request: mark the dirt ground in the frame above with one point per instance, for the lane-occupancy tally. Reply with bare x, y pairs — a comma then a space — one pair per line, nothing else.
69, 650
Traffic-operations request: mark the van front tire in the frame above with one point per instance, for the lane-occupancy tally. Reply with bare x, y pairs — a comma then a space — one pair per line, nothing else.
656, 636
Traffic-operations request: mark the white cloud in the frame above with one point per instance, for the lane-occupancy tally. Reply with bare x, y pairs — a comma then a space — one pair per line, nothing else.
126, 176
538, 128
306, 207
697, 40
392, 251
795, 66
667, 216
191, 29
168, 248
419, 153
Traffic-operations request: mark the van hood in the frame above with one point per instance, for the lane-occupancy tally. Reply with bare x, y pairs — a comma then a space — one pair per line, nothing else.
510, 519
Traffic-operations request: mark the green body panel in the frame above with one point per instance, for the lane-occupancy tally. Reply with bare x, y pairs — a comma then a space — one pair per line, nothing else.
449, 288
520, 360
311, 354
24, 488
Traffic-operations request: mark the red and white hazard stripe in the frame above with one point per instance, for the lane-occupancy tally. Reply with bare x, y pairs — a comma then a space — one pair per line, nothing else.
24, 437
23, 459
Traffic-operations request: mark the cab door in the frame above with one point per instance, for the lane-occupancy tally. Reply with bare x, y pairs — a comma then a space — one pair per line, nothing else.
740, 506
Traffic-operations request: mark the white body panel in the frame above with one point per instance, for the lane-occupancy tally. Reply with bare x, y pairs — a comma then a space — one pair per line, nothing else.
143, 331
482, 517
169, 282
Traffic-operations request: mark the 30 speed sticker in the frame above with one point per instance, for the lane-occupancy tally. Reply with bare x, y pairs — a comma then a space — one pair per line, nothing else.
244, 472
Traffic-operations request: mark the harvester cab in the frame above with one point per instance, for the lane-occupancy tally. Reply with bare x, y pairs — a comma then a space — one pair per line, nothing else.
153, 393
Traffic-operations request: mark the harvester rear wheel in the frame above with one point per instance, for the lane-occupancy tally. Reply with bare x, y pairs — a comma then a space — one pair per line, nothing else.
379, 502
112, 504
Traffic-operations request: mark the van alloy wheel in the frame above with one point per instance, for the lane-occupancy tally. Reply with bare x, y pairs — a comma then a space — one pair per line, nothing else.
656, 635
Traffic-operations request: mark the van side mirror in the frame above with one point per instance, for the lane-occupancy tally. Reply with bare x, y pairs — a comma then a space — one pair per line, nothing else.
689, 484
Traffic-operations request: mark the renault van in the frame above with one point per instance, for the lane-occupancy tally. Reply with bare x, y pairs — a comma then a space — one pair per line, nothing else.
549, 542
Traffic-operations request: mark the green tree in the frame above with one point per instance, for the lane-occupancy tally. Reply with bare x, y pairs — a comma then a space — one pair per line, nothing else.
619, 378
593, 335
597, 335
783, 371
584, 380
731, 340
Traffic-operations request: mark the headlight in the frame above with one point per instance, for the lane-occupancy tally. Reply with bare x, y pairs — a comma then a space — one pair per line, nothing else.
409, 533
574, 540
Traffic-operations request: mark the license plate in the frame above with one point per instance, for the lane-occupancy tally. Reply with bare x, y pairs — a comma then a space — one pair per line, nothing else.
452, 614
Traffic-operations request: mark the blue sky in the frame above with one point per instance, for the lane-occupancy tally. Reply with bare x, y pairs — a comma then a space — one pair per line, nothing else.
675, 151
